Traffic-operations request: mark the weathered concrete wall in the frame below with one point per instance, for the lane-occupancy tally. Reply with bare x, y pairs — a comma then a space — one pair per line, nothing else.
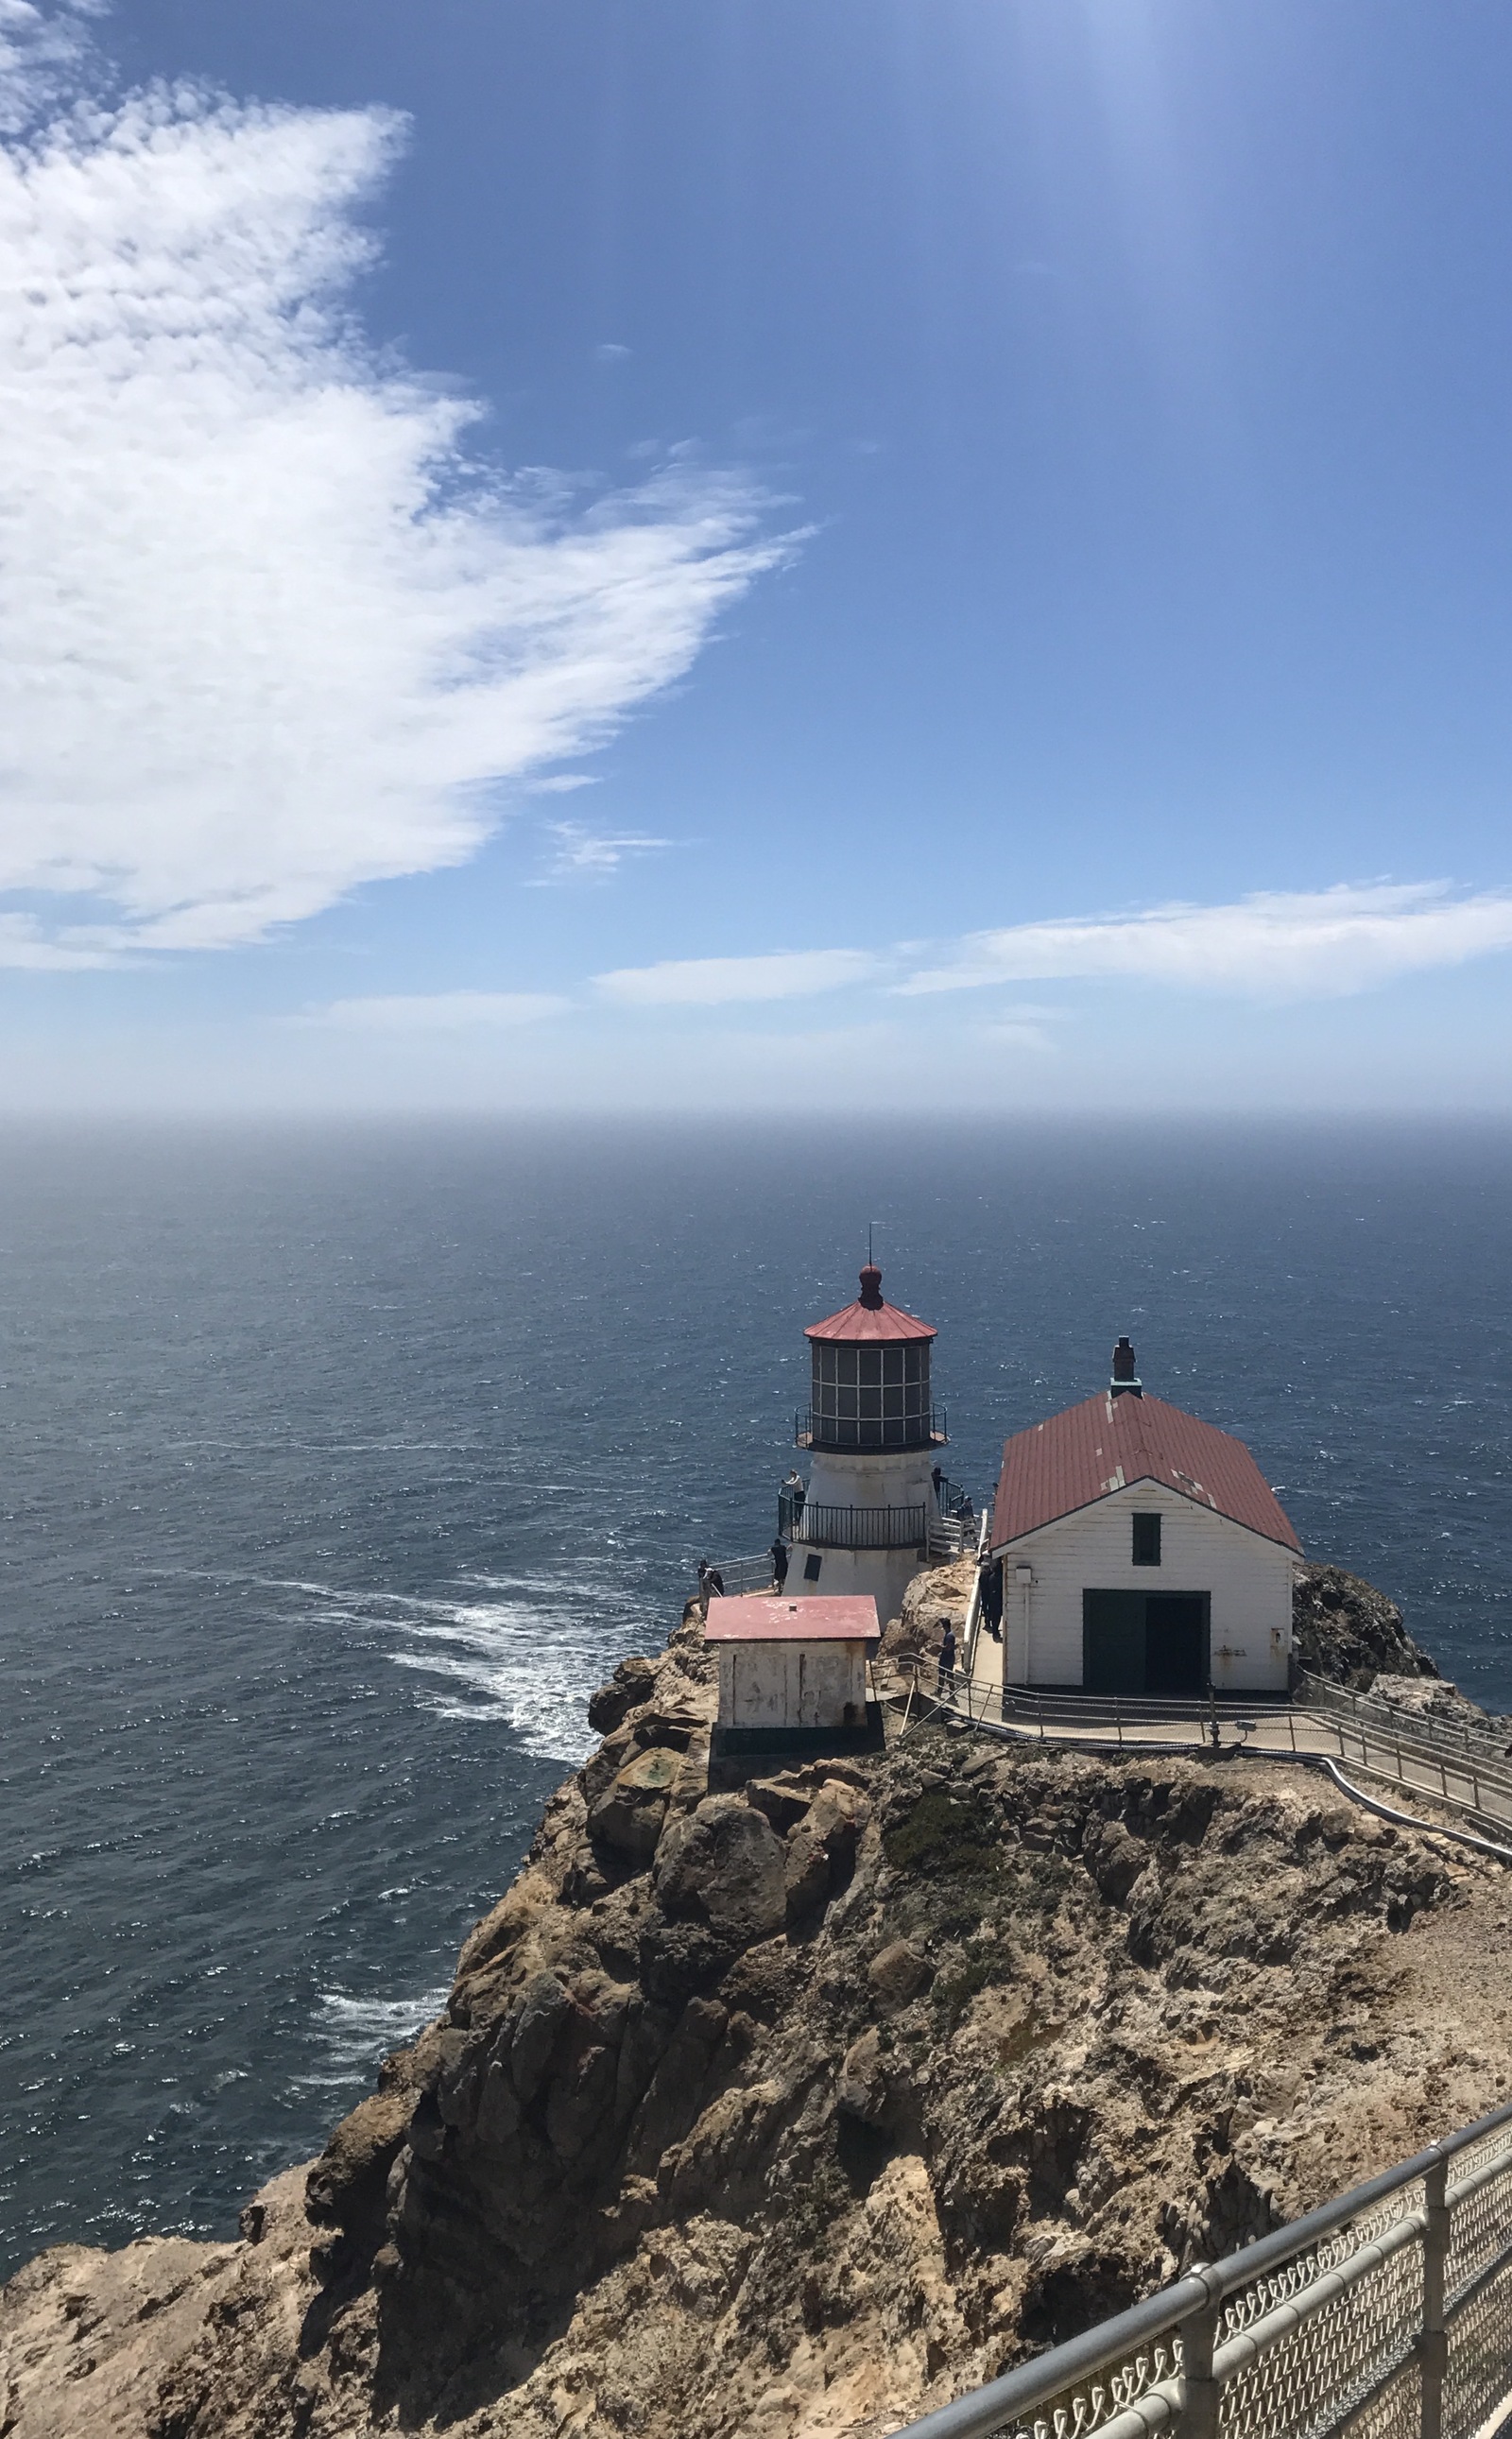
792, 1684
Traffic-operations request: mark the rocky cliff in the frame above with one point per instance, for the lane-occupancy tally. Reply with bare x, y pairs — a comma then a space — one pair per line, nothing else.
793, 2110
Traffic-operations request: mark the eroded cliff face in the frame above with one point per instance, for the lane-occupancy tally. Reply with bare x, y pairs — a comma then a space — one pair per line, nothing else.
795, 2109
1347, 1631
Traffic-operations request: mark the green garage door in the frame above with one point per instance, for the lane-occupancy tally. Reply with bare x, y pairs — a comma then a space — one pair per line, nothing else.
1112, 1643
1144, 1643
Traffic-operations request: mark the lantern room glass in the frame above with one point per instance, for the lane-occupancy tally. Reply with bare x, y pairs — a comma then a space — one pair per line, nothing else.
871, 1397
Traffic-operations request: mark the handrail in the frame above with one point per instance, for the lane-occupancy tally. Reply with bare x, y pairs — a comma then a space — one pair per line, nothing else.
868, 1433
1320, 1693
745, 1575
827, 1526
971, 1632
1464, 1782
1071, 1709
1414, 2323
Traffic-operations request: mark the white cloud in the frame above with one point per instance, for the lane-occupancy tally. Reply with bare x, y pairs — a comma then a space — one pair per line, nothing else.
1276, 944
710, 982
439, 1011
42, 50
265, 633
582, 854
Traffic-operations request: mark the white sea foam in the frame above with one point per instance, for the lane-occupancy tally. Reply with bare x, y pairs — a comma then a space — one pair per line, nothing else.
531, 1654
526, 1649
356, 2033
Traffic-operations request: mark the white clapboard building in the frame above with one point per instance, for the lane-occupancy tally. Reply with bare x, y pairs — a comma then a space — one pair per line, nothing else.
1143, 1552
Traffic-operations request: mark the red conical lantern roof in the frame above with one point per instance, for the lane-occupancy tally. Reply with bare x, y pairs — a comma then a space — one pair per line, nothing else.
868, 1322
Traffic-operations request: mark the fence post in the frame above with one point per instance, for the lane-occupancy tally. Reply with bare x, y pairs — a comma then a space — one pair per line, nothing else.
1199, 2389
1435, 2356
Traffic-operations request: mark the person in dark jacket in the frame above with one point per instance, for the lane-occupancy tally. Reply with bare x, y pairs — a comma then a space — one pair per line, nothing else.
780, 1564
993, 1600
944, 1688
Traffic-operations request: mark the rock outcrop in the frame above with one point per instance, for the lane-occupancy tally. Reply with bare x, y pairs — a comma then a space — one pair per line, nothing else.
935, 1593
794, 2110
1345, 1629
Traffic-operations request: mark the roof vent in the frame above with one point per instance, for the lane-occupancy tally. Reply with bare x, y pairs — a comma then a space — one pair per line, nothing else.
871, 1287
1125, 1381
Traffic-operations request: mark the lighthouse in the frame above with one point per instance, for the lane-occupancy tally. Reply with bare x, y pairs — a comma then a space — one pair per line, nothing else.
863, 1522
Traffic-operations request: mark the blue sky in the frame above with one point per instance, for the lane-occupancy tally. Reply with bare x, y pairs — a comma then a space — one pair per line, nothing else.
696, 555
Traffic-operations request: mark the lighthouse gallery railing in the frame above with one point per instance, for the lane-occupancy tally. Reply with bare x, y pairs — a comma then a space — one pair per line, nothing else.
1386, 2314
857, 1528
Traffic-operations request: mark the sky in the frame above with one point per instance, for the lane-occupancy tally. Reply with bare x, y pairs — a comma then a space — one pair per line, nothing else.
763, 556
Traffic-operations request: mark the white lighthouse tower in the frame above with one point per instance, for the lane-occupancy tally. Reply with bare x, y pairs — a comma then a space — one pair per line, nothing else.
863, 1522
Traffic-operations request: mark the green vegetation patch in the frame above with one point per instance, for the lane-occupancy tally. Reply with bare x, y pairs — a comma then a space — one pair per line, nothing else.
943, 1834
953, 1993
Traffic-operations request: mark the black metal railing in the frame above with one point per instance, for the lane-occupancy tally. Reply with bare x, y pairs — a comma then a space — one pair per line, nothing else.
870, 1431
950, 1497
826, 1528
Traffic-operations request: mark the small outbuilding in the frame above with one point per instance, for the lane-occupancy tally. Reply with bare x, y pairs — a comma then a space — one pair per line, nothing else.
792, 1674
1142, 1552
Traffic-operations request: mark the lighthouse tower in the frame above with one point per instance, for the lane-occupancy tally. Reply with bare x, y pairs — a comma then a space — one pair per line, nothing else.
862, 1523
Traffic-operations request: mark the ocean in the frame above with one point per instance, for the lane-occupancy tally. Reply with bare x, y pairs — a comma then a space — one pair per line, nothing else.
341, 1464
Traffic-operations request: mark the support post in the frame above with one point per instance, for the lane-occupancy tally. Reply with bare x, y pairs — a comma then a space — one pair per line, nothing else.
1200, 2399
1435, 2355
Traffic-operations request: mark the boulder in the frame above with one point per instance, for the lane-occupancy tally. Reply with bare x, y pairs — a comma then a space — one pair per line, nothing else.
898, 1972
783, 1800
629, 1685
723, 1865
630, 1813
862, 2090
822, 1849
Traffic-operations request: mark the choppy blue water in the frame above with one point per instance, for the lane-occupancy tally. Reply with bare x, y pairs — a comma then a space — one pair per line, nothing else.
337, 1468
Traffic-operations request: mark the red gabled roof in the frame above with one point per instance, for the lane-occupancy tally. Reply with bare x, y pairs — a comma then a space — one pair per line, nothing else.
869, 1320
768, 1617
1107, 1443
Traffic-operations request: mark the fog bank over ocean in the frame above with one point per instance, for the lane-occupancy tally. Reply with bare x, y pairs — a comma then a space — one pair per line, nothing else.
339, 1463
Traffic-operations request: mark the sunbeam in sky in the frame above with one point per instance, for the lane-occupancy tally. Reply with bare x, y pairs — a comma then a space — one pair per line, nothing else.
957, 503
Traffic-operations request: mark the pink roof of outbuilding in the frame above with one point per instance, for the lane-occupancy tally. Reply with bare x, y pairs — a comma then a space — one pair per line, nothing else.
1107, 1444
768, 1617
868, 1322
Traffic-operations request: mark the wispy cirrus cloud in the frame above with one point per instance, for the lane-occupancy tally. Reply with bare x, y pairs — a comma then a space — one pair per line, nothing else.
439, 1011
582, 854
267, 630
712, 982
1278, 943
1295, 944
